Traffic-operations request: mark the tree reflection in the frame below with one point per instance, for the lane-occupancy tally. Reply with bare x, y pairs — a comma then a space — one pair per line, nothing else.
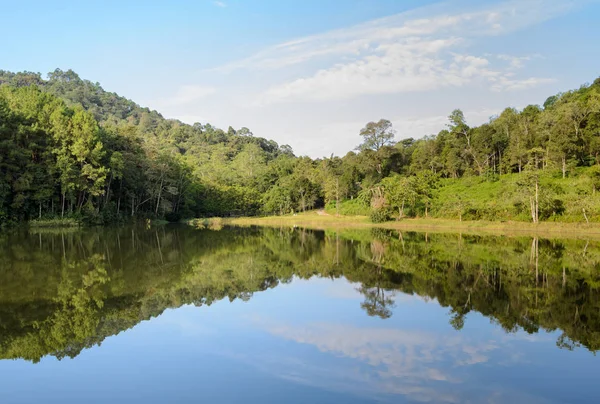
61, 292
376, 302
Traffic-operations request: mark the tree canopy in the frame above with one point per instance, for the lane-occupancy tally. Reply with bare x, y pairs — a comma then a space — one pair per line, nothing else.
68, 148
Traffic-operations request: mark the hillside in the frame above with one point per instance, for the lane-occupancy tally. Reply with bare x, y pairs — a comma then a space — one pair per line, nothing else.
135, 161
68, 148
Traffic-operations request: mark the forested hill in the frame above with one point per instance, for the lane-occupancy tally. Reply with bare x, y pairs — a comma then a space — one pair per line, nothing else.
110, 109
70, 149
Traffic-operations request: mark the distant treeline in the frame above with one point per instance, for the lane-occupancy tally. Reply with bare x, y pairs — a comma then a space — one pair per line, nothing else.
70, 148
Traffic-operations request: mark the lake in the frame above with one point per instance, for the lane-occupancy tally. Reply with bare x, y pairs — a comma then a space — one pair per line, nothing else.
181, 315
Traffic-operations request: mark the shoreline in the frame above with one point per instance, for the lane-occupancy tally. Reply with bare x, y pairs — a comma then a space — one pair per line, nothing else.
315, 221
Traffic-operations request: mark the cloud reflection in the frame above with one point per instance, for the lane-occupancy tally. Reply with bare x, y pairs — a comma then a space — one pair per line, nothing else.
384, 363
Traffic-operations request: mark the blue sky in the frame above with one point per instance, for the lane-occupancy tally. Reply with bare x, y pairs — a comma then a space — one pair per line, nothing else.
312, 73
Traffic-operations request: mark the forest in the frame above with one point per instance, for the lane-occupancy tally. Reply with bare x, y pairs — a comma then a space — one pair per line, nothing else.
71, 150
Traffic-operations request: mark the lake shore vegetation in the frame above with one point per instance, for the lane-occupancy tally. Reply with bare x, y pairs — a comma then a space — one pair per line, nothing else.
70, 150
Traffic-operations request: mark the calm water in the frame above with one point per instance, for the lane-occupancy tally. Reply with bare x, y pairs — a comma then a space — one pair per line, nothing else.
178, 315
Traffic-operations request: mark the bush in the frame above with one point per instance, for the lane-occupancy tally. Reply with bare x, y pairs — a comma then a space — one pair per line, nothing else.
352, 207
380, 215
211, 223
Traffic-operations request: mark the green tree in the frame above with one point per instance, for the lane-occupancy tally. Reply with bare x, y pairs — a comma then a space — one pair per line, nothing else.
376, 135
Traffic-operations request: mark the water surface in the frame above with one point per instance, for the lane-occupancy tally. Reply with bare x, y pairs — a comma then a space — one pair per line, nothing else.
175, 314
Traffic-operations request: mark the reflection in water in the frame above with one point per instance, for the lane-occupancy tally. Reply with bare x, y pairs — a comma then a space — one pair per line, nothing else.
62, 292
421, 365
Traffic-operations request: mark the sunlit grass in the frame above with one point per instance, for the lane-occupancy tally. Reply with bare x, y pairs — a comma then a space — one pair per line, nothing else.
57, 222
317, 220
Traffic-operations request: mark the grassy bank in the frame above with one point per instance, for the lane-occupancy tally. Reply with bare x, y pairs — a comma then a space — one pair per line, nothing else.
320, 221
53, 223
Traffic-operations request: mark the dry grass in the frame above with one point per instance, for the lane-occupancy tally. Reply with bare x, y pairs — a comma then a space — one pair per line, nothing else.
313, 220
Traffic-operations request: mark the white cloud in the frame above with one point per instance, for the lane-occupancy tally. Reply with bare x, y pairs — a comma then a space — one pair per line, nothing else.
409, 66
316, 92
219, 4
400, 54
495, 19
393, 68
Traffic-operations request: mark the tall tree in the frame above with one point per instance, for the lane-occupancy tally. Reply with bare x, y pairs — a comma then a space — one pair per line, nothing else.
376, 135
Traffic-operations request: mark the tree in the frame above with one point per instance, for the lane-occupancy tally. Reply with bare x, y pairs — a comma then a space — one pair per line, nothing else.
543, 202
376, 135
459, 128
399, 193
336, 180
67, 146
530, 183
249, 163
505, 125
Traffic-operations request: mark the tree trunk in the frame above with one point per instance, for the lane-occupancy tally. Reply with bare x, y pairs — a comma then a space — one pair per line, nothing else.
40, 213
585, 216
564, 166
534, 204
62, 215
119, 200
159, 195
108, 190
80, 205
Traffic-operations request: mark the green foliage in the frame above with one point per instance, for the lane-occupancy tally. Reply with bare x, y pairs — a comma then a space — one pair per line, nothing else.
70, 148
377, 135
352, 207
380, 215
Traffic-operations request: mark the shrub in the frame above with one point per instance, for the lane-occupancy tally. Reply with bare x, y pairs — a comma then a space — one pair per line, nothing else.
380, 215
353, 207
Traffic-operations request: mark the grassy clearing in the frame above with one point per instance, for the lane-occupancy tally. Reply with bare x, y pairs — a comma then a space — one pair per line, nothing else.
504, 200
314, 220
65, 222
